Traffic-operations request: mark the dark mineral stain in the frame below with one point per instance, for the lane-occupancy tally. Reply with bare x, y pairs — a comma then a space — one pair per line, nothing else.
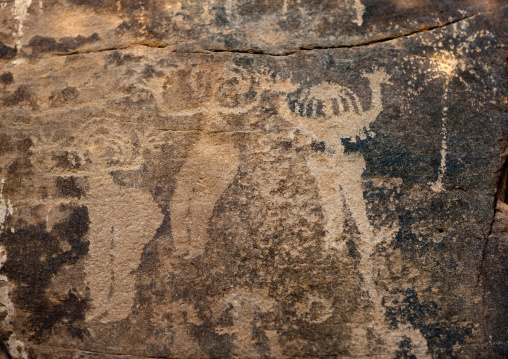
261, 342
4, 351
441, 335
34, 256
117, 59
221, 17
138, 98
69, 187
94, 3
42, 44
295, 103
7, 52
410, 309
214, 344
287, 145
150, 72
24, 145
66, 160
229, 95
6, 144
129, 26
494, 274
6, 78
63, 96
353, 251
21, 95
21, 168
300, 103
378, 199
318, 146
355, 145
258, 9
404, 351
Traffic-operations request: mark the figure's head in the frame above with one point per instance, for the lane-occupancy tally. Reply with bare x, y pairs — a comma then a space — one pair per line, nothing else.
109, 143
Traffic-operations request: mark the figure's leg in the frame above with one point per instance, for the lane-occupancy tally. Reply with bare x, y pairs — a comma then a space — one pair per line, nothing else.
351, 181
349, 173
351, 169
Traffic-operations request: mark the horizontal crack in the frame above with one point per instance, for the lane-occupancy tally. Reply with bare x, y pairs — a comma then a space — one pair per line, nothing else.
297, 51
386, 39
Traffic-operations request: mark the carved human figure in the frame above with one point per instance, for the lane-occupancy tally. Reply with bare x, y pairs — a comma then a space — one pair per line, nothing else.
210, 165
122, 221
328, 113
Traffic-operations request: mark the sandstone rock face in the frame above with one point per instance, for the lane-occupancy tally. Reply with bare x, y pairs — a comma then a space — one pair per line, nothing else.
253, 179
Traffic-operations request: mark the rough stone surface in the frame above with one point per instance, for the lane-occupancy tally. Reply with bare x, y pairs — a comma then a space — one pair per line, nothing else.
253, 179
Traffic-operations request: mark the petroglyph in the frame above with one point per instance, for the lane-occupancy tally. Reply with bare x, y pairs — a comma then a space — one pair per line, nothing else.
246, 307
6, 305
20, 11
132, 217
328, 113
210, 165
438, 185
122, 220
5, 207
209, 168
17, 347
359, 9
448, 67
178, 189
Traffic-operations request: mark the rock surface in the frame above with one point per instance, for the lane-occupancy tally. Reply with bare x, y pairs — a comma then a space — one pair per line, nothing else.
253, 179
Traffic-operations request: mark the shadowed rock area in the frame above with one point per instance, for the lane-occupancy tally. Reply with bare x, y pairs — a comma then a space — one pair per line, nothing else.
253, 179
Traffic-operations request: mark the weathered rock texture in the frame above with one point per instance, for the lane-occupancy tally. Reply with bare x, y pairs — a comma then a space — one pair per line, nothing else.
253, 179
